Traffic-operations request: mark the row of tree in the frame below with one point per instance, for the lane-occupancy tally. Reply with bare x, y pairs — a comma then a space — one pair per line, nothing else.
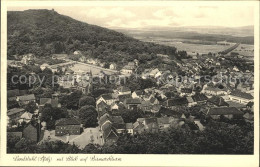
217, 138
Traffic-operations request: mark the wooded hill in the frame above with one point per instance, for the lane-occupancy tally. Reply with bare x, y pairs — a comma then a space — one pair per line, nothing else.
45, 32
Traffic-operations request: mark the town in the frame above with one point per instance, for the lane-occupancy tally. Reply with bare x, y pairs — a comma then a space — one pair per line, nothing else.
78, 111
77, 87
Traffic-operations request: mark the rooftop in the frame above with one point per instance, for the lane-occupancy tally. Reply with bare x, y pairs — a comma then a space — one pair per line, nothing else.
27, 97
224, 111
14, 111
67, 121
243, 95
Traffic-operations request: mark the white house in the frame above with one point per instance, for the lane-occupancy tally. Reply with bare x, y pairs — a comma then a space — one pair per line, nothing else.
154, 72
114, 106
124, 91
25, 117
44, 65
107, 98
112, 66
77, 52
137, 94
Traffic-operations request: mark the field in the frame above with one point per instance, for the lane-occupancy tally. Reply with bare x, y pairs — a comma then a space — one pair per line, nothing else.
181, 44
245, 50
94, 69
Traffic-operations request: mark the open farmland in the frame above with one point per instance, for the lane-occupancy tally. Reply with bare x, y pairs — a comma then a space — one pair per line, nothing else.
181, 44
245, 50
94, 69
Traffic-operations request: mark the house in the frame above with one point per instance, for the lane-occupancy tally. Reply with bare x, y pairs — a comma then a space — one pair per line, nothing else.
23, 100
112, 66
109, 134
25, 117
102, 106
15, 134
249, 117
28, 59
154, 100
128, 69
12, 94
44, 66
67, 81
129, 128
156, 108
123, 90
138, 127
240, 106
191, 102
92, 61
116, 106
33, 132
137, 94
60, 56
111, 127
132, 104
68, 126
199, 98
198, 123
77, 52
164, 122
241, 97
154, 72
85, 87
209, 90
107, 98
14, 63
146, 73
83, 59
185, 91
122, 98
217, 101
146, 106
136, 62
54, 68
176, 102
166, 112
146, 125
14, 114
228, 112
250, 105
190, 124
54, 102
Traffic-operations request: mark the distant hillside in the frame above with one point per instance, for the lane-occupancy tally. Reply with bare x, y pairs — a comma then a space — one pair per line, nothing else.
45, 32
237, 35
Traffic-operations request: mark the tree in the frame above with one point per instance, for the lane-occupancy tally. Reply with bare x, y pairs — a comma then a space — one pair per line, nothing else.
12, 104
50, 115
88, 116
71, 101
131, 115
47, 116
87, 100
31, 107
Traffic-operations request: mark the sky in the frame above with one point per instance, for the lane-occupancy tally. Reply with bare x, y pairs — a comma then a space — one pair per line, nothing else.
157, 16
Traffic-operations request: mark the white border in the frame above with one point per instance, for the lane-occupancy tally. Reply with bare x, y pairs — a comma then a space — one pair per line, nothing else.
131, 160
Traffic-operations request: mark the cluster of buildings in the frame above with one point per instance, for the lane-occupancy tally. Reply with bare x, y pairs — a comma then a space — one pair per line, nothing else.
166, 105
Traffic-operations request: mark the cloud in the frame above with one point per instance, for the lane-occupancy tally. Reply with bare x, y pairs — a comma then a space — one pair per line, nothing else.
154, 16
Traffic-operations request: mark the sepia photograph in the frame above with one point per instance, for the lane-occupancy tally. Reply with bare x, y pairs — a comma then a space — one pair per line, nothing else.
175, 79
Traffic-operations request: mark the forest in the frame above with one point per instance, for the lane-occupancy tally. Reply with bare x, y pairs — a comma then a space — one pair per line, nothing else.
45, 32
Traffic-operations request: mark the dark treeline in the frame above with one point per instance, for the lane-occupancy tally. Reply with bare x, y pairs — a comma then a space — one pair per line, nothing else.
217, 138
